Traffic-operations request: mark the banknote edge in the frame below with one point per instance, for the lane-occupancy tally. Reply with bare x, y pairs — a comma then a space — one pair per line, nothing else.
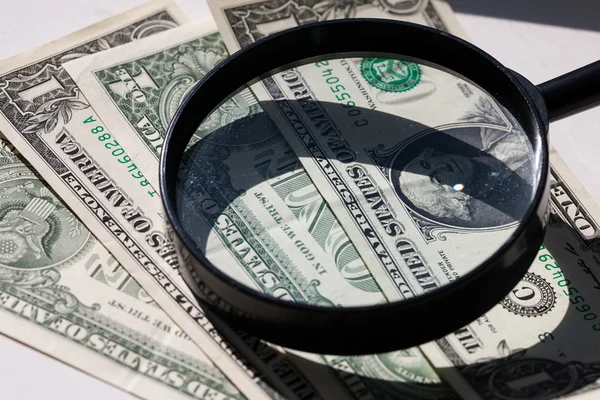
92, 32
64, 354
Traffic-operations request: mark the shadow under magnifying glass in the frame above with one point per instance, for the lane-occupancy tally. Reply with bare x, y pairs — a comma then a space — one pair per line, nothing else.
212, 180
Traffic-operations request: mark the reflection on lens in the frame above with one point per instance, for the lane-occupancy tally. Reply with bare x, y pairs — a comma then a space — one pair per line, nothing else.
356, 181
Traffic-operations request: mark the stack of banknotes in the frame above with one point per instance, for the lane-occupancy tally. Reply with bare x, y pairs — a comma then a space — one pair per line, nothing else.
79, 282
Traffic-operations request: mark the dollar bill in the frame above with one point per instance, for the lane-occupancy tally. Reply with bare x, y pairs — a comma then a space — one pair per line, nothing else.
169, 64
365, 130
308, 262
537, 342
43, 113
540, 341
61, 292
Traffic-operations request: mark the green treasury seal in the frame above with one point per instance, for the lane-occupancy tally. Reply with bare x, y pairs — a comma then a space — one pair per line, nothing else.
390, 75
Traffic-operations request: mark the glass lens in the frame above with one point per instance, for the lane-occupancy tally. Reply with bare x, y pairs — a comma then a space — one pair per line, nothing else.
355, 181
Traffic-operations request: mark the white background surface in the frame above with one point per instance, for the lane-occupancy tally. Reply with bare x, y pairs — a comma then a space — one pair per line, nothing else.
538, 38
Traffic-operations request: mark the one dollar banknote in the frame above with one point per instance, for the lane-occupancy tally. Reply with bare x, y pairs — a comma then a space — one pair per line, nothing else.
275, 214
472, 358
40, 107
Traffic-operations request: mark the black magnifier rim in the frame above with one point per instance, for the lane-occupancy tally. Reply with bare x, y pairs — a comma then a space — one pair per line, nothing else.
376, 328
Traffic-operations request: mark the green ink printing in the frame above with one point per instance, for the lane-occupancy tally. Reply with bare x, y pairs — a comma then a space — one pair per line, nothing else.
391, 75
118, 152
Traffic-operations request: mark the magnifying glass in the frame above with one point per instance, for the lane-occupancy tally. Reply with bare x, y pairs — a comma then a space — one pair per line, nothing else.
361, 186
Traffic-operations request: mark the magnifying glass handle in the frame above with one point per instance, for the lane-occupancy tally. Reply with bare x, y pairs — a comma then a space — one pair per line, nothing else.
573, 92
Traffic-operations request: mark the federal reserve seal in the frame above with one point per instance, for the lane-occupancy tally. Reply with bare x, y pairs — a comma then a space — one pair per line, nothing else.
390, 75
532, 297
